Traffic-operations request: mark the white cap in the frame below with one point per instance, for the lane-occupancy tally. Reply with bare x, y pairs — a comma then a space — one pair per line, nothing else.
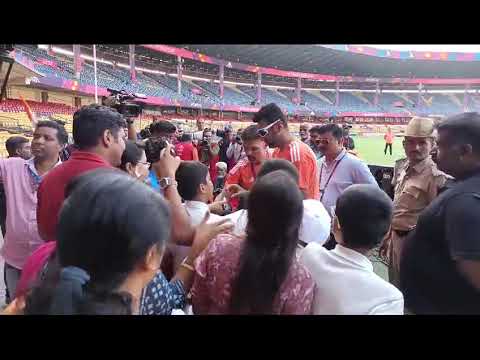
316, 222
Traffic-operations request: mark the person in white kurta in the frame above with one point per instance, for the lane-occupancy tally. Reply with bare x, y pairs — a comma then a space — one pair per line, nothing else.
344, 277
316, 222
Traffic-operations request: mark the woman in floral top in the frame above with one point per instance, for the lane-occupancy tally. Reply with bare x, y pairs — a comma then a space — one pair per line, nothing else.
258, 274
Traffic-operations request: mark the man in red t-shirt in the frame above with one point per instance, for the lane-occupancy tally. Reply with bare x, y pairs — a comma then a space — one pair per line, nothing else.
208, 153
185, 149
274, 127
99, 135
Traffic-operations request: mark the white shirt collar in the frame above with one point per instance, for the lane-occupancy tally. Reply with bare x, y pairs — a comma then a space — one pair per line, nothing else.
353, 256
342, 153
192, 204
31, 164
339, 156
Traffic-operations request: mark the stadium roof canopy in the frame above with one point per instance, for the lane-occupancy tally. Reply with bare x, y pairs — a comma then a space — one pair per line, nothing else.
321, 59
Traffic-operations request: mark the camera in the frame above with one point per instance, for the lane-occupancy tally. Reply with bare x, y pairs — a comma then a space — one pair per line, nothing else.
204, 143
238, 139
145, 133
121, 101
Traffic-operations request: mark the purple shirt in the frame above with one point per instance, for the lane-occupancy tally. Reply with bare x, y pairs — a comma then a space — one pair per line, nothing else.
20, 180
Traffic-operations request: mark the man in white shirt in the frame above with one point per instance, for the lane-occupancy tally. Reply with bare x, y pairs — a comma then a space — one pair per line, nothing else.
344, 277
196, 188
316, 221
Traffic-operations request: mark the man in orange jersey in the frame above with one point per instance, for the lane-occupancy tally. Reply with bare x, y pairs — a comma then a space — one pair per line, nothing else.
245, 171
274, 128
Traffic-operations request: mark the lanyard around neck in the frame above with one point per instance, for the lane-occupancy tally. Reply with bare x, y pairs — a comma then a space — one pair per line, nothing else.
330, 177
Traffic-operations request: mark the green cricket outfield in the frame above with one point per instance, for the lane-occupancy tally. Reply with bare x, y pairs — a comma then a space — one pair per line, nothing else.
370, 149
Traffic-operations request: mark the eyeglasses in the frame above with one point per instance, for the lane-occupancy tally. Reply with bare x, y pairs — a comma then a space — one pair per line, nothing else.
146, 163
264, 131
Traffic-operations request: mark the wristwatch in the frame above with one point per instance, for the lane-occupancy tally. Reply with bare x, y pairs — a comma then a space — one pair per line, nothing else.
166, 182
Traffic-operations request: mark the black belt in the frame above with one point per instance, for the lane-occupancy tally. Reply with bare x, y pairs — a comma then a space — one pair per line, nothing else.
402, 233
302, 243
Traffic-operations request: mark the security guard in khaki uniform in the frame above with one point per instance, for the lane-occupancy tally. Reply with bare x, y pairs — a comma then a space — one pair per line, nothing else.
417, 184
397, 170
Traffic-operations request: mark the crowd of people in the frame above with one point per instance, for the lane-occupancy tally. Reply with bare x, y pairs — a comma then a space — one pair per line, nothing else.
171, 221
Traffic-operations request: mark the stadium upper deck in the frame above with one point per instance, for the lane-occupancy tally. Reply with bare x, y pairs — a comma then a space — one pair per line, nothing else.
157, 78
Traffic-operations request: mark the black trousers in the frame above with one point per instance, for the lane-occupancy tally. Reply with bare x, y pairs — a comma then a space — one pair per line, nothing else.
386, 147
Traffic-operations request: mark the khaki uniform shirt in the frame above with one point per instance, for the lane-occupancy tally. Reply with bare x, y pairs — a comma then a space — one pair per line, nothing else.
399, 164
415, 188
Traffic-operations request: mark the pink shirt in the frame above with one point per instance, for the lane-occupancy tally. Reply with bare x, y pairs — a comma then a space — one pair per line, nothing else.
34, 266
20, 180
217, 267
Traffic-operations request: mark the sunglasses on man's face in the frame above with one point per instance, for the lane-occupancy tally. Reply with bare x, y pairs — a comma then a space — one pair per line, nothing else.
264, 131
322, 141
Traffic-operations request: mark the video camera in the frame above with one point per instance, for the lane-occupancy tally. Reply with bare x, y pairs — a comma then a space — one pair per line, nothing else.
121, 101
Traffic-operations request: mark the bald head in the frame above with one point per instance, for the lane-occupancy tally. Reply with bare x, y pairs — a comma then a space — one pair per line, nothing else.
304, 131
364, 213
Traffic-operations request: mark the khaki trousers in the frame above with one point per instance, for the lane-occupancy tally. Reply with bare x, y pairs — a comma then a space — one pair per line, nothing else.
395, 253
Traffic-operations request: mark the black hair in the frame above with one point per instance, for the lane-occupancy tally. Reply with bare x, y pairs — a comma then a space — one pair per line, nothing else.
62, 135
364, 213
153, 147
91, 121
103, 240
145, 133
250, 133
189, 176
270, 243
272, 165
269, 247
186, 137
464, 129
162, 126
13, 143
315, 129
269, 113
334, 129
132, 154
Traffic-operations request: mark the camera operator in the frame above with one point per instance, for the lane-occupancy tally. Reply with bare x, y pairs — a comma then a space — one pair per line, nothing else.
235, 151
227, 138
208, 151
347, 139
122, 102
